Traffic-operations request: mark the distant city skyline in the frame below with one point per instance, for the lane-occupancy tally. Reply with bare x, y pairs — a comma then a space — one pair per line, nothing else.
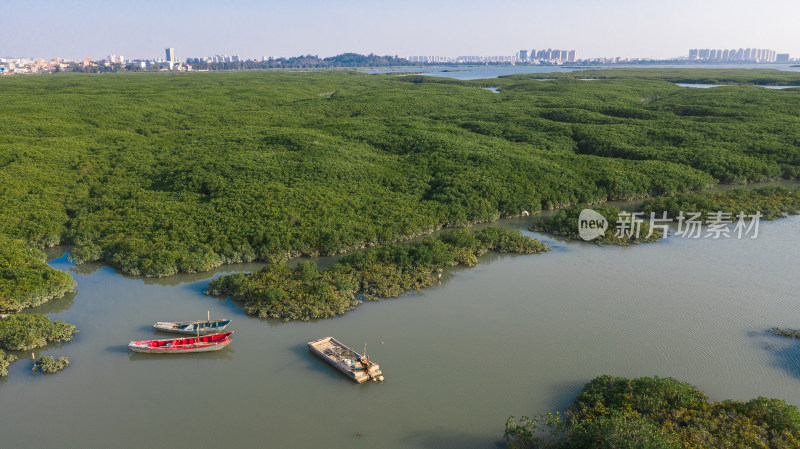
734, 55
253, 29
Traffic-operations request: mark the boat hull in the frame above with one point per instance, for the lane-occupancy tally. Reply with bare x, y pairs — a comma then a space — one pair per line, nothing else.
182, 345
191, 327
338, 355
146, 350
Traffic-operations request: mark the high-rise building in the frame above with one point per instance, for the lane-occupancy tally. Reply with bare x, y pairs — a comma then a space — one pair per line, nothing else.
523, 55
782, 58
170, 55
571, 56
746, 54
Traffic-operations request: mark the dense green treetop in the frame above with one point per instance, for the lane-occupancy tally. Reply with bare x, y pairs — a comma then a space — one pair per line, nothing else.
25, 279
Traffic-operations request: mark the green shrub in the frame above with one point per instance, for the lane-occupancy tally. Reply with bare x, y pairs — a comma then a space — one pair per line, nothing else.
5, 361
49, 365
788, 333
28, 331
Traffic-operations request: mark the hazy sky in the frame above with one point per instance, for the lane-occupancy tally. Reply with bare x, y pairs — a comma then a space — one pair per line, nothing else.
249, 28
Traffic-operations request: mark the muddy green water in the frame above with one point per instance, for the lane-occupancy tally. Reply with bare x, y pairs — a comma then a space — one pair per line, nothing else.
514, 335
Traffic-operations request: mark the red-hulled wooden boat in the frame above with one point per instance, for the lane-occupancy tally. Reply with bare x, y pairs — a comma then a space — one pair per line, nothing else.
205, 343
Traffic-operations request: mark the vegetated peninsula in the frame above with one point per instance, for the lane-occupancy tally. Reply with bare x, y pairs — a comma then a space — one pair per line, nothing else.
28, 331
614, 412
386, 271
25, 279
565, 224
157, 174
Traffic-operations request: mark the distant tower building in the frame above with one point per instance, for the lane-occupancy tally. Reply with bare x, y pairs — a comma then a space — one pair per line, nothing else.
693, 54
571, 57
703, 53
523, 55
170, 55
782, 58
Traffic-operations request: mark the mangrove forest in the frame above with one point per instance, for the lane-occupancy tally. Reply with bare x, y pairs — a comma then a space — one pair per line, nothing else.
156, 174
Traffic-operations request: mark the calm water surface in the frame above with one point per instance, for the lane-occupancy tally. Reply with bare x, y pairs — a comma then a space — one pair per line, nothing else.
703, 86
514, 335
482, 72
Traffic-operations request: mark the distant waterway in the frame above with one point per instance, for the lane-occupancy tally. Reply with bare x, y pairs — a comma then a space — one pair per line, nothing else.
514, 335
471, 72
704, 86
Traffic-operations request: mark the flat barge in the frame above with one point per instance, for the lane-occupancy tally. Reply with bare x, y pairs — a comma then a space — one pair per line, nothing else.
354, 365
